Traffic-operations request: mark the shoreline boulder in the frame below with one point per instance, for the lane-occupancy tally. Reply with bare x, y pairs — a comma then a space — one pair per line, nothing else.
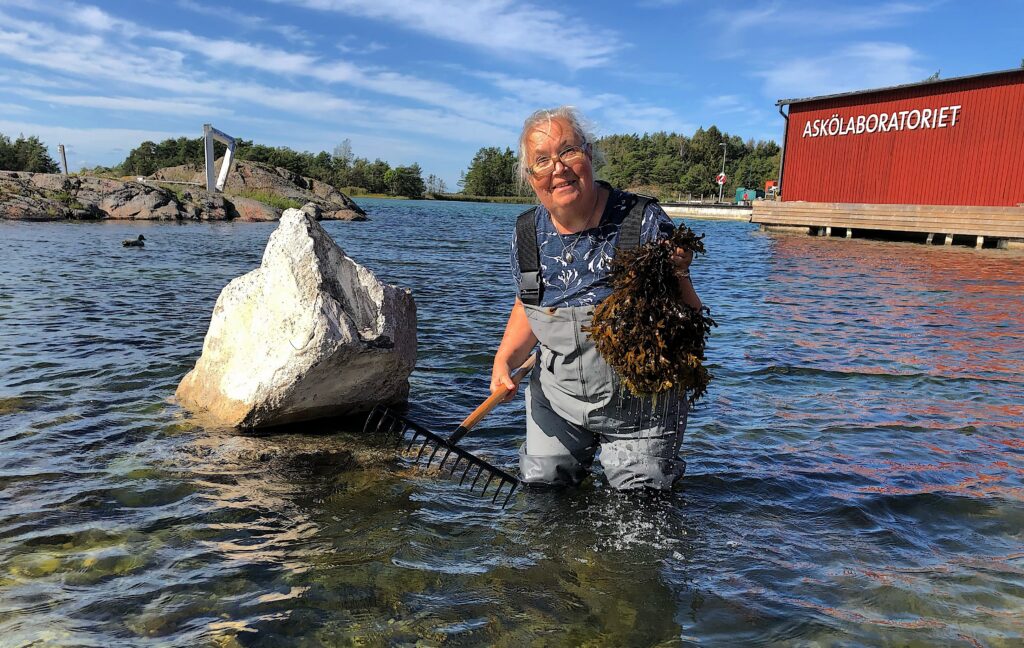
309, 334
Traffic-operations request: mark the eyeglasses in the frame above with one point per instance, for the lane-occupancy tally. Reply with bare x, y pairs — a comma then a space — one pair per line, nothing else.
569, 155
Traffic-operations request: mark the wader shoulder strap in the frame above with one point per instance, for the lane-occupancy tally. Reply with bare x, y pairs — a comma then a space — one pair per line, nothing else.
528, 256
632, 225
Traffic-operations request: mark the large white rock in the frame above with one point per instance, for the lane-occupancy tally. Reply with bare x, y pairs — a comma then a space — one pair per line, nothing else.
309, 334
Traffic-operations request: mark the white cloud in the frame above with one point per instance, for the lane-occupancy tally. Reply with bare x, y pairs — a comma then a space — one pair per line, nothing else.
724, 102
858, 66
359, 49
245, 21
247, 55
242, 54
167, 106
866, 16
540, 91
19, 78
806, 17
611, 113
90, 56
10, 108
91, 18
738, 106
505, 27
619, 116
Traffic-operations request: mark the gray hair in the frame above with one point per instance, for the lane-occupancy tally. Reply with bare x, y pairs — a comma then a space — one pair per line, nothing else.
568, 114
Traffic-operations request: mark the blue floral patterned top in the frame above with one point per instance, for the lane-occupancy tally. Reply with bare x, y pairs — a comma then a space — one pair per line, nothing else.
583, 280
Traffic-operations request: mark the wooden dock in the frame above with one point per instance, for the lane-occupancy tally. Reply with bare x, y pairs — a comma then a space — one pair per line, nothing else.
1003, 227
711, 211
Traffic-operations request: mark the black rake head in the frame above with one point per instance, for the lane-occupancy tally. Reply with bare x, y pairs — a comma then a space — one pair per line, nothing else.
459, 462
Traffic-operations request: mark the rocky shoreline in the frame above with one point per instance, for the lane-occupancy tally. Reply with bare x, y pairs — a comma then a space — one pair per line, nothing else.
253, 192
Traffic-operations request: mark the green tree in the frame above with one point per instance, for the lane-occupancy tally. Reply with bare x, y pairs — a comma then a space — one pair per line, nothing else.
405, 181
376, 171
492, 172
698, 180
359, 174
8, 160
26, 154
141, 160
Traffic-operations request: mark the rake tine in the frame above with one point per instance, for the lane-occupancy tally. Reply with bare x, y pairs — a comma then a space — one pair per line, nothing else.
397, 428
488, 482
455, 465
423, 447
509, 496
478, 473
465, 472
412, 439
495, 498
375, 413
447, 452
390, 426
432, 454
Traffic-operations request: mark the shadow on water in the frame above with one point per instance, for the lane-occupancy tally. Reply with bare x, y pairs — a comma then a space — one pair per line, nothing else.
855, 472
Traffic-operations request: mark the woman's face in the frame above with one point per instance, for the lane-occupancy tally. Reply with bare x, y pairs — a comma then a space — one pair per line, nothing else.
567, 186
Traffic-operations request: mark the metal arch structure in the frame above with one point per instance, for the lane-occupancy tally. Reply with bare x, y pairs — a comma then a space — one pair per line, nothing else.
209, 135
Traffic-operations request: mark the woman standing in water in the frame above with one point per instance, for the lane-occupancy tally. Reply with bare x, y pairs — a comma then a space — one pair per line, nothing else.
561, 255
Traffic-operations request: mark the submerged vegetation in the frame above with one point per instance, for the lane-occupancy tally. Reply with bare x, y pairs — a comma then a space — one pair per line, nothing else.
653, 340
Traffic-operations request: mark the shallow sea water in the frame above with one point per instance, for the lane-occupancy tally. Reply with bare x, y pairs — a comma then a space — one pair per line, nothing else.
855, 473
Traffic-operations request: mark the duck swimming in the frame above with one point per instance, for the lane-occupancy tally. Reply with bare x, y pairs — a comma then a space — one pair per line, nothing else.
134, 242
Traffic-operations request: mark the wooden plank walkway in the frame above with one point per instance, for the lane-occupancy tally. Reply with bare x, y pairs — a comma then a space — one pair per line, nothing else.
994, 222
710, 212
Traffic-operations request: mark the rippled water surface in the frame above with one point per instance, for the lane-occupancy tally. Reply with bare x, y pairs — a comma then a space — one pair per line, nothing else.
856, 472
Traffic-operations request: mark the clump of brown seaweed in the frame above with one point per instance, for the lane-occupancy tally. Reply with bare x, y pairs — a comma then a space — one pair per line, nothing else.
653, 340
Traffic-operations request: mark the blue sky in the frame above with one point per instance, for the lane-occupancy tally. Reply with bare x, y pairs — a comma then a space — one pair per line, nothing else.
432, 81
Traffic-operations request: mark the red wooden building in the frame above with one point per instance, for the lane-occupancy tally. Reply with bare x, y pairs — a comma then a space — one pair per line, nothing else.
907, 158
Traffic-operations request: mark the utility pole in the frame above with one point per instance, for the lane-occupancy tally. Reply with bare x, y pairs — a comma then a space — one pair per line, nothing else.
722, 186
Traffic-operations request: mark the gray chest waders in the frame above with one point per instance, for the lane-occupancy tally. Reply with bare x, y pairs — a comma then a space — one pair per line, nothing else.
575, 404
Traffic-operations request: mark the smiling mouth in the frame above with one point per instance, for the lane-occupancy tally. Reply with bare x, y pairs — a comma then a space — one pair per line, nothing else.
563, 185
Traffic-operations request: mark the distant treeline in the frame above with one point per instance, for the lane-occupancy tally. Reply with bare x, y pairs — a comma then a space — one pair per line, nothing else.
667, 165
340, 168
25, 154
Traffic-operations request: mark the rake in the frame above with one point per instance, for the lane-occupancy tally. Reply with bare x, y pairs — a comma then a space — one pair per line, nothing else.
383, 420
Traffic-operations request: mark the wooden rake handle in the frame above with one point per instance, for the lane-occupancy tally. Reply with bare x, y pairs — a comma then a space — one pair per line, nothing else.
492, 400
